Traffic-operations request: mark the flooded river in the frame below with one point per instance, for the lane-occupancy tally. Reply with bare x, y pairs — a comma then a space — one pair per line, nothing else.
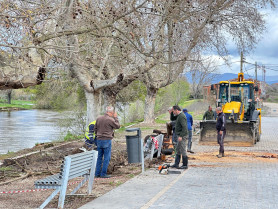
24, 128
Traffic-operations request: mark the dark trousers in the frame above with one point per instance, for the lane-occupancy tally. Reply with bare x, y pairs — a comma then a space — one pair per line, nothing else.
220, 140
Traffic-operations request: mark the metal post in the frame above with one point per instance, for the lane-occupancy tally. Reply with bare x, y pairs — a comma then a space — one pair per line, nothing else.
142, 152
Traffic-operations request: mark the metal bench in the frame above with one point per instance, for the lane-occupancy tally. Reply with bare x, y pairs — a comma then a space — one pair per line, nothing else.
77, 165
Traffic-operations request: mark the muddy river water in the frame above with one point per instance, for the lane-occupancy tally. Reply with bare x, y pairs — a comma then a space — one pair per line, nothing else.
24, 128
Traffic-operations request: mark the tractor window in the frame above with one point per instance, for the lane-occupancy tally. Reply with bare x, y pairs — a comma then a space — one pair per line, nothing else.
246, 96
239, 93
223, 93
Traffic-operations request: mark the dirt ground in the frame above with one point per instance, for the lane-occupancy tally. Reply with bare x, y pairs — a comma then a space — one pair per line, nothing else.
19, 172
270, 109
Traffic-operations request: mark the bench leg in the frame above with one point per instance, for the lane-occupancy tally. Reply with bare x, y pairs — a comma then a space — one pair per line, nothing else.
49, 198
64, 182
92, 173
80, 185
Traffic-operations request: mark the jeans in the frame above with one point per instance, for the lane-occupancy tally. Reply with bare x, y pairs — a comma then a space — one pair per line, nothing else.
104, 151
189, 139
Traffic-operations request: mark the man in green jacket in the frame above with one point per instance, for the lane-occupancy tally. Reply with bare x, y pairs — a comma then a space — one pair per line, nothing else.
182, 132
209, 114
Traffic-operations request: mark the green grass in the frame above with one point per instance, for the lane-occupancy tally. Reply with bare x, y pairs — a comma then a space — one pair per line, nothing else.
164, 118
161, 118
185, 104
124, 126
17, 104
131, 175
6, 169
72, 137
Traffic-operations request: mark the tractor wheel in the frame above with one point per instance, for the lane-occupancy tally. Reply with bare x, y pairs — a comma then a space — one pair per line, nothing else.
258, 137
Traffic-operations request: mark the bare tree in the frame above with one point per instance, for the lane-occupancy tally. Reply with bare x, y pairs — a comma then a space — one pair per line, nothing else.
194, 27
106, 43
202, 73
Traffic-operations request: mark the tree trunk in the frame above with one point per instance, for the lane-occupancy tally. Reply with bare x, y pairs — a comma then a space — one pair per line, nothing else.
149, 105
9, 96
93, 106
109, 97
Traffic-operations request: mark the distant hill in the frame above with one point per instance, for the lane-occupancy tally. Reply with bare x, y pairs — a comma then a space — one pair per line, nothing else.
216, 78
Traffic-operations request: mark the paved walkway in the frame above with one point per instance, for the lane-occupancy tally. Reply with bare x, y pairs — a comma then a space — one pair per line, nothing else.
219, 184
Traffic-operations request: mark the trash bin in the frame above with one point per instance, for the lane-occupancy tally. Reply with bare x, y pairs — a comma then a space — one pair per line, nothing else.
133, 144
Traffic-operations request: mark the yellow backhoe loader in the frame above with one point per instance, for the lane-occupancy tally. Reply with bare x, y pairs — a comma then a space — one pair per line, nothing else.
242, 113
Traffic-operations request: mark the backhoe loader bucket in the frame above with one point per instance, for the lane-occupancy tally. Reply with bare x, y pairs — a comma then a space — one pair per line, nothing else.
237, 134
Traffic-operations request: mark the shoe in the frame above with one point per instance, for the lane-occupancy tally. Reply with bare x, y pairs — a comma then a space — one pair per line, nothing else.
183, 167
177, 162
97, 176
105, 177
219, 156
184, 162
190, 151
174, 166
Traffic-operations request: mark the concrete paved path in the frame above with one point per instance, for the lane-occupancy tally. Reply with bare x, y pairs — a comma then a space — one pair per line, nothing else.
215, 184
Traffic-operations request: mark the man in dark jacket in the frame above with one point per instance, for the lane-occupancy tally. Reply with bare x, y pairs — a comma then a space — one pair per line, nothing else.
104, 129
221, 130
181, 132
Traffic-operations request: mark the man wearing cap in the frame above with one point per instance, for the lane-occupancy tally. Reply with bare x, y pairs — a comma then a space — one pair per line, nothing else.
189, 127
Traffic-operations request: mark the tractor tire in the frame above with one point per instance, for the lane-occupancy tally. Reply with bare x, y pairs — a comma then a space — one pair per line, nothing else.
258, 137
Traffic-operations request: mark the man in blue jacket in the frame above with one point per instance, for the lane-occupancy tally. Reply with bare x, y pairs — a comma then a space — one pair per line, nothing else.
189, 127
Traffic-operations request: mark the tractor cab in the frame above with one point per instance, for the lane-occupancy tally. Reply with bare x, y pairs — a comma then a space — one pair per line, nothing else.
237, 99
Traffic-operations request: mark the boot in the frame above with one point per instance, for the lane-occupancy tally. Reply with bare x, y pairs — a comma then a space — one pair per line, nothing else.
177, 161
223, 154
184, 162
220, 155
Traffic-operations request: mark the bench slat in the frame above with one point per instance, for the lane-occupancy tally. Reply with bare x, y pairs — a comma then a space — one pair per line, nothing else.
82, 158
82, 154
82, 165
82, 161
50, 180
77, 174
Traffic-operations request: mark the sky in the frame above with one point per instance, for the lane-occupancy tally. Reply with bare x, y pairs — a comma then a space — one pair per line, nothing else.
264, 53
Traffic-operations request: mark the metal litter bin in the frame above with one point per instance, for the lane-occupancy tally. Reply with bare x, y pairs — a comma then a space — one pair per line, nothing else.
133, 144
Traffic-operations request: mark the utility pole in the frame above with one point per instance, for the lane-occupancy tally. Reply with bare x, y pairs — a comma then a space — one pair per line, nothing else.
241, 61
263, 73
256, 72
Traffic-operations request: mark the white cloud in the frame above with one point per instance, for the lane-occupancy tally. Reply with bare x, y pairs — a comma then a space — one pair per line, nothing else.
264, 53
